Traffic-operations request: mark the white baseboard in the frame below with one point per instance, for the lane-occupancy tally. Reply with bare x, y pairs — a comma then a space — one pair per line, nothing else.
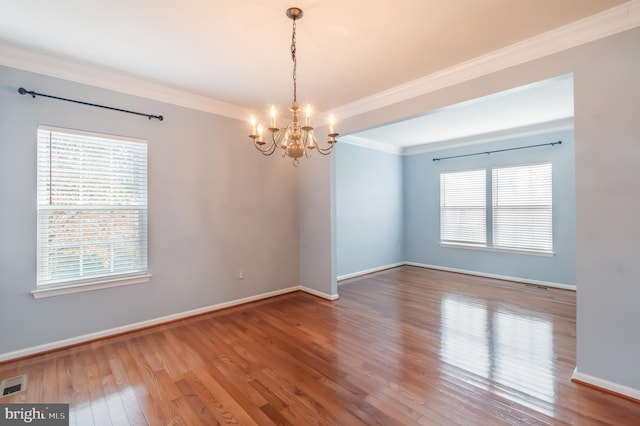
606, 385
143, 324
155, 321
369, 271
497, 277
318, 293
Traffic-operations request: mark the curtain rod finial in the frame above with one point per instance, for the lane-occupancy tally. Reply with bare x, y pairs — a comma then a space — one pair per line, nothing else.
24, 91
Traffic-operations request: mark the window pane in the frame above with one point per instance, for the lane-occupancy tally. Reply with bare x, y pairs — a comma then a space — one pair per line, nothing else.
463, 207
92, 206
522, 207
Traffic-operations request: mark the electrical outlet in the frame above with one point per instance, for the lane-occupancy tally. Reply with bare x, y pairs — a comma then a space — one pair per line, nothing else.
240, 274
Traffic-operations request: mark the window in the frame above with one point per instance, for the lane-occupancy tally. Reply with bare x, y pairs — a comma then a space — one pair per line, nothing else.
463, 207
522, 207
519, 205
92, 207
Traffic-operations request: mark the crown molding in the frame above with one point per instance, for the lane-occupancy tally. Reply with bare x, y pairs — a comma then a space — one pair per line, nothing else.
366, 143
65, 69
609, 22
604, 24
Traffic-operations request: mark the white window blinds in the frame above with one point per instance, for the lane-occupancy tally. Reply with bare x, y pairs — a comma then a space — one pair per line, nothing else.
522, 207
92, 206
463, 207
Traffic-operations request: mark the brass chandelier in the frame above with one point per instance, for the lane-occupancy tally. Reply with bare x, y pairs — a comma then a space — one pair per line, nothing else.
295, 140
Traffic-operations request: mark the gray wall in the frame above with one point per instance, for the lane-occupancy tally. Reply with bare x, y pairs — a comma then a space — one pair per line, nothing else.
215, 206
607, 161
607, 108
369, 209
422, 209
317, 227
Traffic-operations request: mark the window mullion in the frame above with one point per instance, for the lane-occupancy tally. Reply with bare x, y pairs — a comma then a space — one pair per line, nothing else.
489, 209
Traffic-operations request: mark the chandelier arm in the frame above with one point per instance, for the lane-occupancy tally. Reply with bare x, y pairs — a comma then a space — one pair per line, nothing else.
267, 150
308, 147
277, 140
325, 151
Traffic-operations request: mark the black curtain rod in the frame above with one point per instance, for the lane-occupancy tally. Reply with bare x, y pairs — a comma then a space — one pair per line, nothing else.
24, 91
498, 150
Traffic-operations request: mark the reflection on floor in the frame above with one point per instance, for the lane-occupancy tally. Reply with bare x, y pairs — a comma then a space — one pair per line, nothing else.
513, 350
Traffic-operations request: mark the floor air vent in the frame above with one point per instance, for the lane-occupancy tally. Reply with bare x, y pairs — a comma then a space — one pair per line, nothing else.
541, 287
13, 385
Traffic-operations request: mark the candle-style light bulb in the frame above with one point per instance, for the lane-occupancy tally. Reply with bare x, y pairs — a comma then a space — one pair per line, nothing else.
273, 116
331, 124
253, 124
308, 121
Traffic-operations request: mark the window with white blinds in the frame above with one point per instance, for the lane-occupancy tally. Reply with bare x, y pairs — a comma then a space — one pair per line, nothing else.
92, 207
463, 207
519, 204
522, 207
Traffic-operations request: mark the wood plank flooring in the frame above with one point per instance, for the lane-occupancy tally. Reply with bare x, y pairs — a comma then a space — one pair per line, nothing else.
404, 346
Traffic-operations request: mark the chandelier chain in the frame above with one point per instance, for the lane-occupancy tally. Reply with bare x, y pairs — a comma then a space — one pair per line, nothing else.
295, 62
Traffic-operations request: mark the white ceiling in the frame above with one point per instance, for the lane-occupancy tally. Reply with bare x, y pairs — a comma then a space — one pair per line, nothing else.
543, 102
238, 52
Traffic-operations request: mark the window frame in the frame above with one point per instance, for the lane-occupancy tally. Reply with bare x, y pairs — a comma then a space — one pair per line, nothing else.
139, 270
489, 246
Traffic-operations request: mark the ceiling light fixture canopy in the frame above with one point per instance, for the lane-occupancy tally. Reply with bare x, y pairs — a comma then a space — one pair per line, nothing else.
294, 139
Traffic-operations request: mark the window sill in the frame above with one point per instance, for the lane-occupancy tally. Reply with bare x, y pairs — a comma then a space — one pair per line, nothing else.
89, 286
498, 250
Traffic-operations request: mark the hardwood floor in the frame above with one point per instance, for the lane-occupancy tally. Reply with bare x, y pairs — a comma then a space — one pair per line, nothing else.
404, 346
